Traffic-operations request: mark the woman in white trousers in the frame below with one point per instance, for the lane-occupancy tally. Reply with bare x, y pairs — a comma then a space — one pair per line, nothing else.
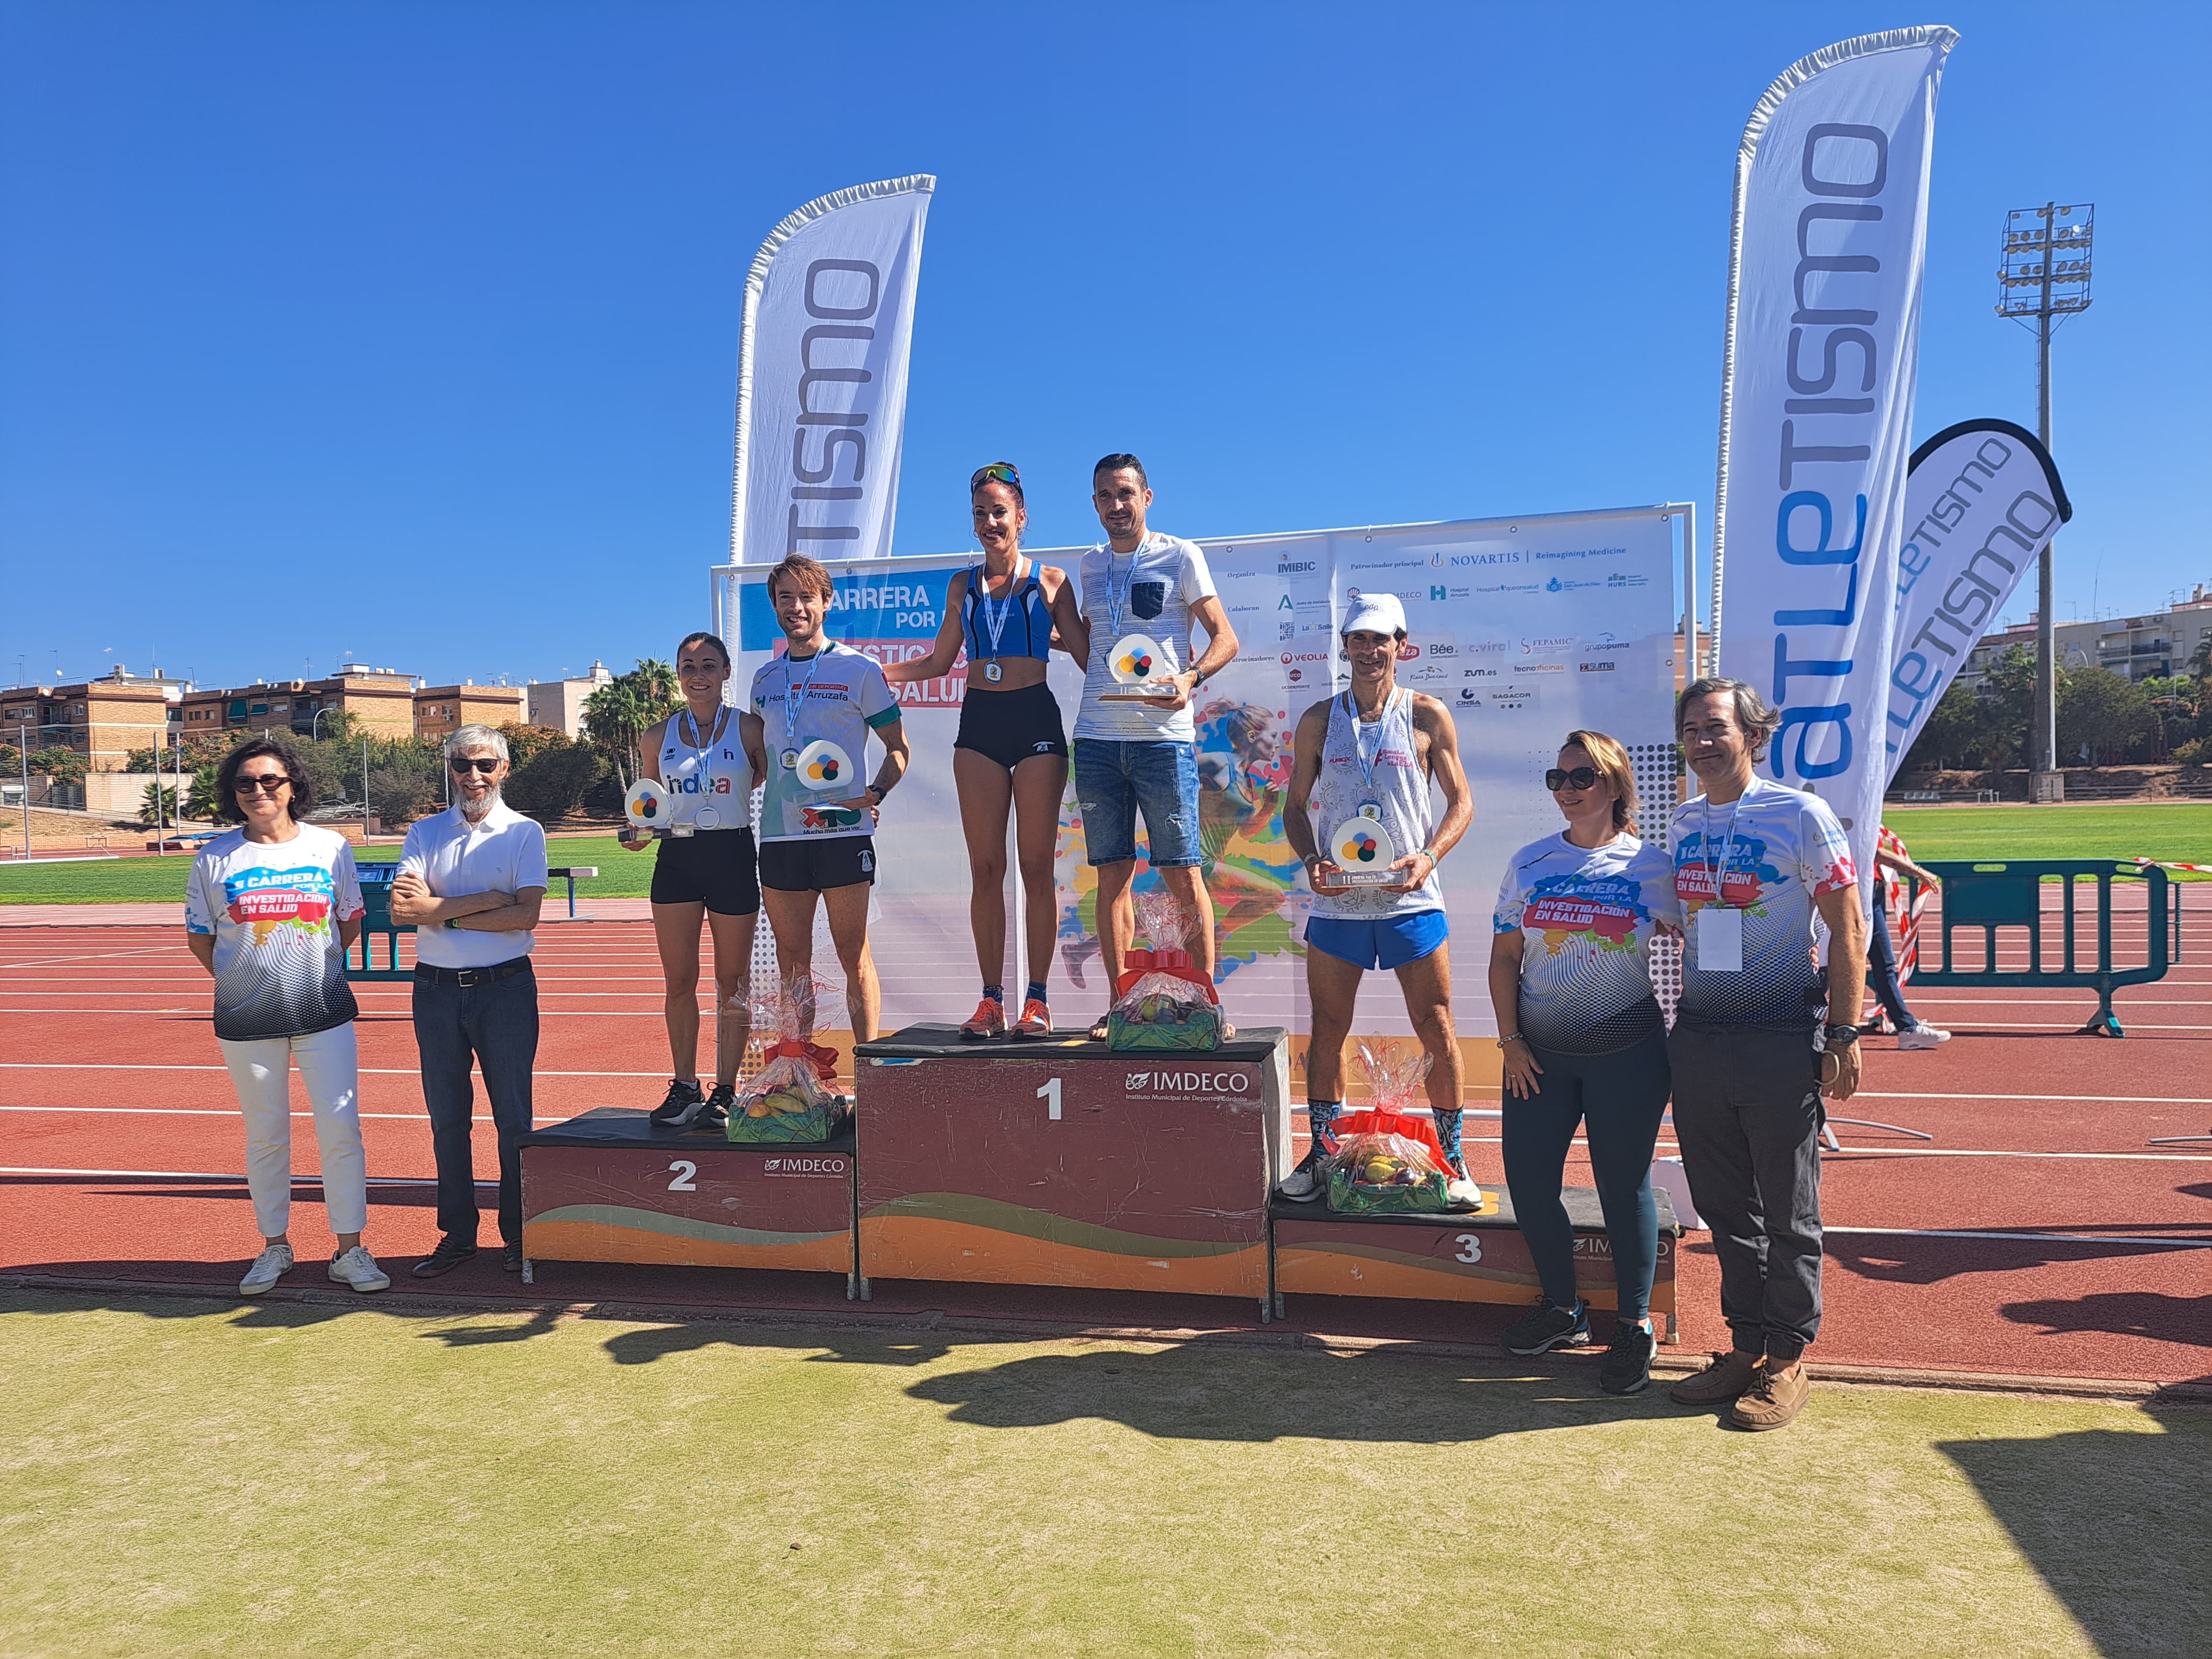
271, 909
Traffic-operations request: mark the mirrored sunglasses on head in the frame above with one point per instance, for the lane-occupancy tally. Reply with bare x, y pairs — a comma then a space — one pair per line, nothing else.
1005, 472
1582, 777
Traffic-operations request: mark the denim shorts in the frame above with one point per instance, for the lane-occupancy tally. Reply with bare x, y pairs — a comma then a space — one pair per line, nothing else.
1114, 780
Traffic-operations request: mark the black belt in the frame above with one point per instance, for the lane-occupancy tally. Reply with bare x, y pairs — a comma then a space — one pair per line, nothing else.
465, 977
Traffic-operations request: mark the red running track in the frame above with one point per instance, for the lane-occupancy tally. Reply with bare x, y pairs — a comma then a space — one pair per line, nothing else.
107, 1064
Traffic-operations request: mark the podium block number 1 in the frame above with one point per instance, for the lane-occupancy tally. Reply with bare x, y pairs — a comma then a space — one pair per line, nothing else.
1050, 1095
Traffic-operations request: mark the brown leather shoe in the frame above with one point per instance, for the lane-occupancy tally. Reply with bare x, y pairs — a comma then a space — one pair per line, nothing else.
1774, 1400
1728, 1377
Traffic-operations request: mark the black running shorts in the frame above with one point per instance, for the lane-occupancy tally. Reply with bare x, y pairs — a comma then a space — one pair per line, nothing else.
814, 866
714, 865
1011, 726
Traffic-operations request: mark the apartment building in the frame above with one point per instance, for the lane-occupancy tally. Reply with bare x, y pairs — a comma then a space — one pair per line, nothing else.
560, 703
2134, 647
442, 710
380, 700
101, 721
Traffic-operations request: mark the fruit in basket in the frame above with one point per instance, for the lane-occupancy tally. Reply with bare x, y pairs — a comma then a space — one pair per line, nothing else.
1381, 1169
758, 1108
784, 1102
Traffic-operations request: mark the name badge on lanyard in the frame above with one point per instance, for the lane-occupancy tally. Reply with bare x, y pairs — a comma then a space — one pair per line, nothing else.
1719, 927
1720, 939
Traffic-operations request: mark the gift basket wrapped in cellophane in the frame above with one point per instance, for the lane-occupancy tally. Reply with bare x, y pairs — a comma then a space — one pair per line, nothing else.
1388, 1162
1161, 999
793, 1098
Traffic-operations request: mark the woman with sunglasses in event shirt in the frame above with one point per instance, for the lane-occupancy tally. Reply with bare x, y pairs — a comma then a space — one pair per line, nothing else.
1012, 750
271, 909
698, 757
1585, 1043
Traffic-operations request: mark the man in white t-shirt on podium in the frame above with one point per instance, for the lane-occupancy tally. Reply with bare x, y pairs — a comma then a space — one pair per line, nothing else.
1134, 743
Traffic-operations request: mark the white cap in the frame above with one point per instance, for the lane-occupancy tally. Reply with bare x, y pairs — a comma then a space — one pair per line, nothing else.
1375, 613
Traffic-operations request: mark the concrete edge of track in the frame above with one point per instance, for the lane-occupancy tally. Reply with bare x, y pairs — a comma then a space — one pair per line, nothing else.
1666, 1366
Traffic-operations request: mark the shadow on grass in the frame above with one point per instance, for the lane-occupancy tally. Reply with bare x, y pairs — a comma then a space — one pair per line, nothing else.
1206, 1390
2115, 1523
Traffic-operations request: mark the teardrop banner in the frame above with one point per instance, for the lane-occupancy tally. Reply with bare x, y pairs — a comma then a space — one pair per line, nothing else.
1981, 503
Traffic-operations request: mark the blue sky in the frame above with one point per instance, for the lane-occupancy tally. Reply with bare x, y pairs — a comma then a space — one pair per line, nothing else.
408, 331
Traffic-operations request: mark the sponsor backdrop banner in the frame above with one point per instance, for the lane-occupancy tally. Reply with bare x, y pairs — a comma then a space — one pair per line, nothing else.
1982, 503
821, 366
1525, 629
1816, 404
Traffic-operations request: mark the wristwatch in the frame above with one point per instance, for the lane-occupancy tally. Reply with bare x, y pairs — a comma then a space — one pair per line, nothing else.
1839, 1037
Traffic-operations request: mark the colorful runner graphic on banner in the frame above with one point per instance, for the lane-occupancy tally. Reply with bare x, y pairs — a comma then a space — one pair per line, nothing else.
1524, 629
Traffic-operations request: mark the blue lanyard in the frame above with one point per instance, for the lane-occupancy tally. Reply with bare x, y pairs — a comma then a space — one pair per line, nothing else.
793, 706
1360, 748
995, 611
1706, 835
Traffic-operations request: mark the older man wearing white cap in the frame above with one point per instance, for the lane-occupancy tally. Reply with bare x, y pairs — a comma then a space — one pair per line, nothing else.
1367, 758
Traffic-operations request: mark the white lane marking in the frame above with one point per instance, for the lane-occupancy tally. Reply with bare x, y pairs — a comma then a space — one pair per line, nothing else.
97, 956
2025, 1238
206, 1111
366, 1071
201, 1175
2096, 1100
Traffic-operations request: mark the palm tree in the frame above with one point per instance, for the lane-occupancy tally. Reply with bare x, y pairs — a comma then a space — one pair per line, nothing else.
617, 715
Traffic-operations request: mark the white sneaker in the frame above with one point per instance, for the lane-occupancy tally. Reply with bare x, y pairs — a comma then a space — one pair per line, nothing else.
358, 1268
272, 1265
1305, 1183
1922, 1036
1462, 1195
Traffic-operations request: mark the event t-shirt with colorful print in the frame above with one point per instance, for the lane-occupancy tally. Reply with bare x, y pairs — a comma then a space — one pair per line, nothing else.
838, 695
274, 908
1783, 849
1586, 916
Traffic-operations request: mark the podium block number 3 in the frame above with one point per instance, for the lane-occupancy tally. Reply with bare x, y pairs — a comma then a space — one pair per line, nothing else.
1050, 1095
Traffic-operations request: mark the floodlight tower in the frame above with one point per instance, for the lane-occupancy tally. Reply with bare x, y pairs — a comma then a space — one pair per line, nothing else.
2043, 276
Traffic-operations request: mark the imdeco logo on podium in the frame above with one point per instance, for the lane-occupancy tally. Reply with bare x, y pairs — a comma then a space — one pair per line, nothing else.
1174, 1082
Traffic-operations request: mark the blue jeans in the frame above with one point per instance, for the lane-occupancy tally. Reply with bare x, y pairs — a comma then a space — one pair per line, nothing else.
1621, 1097
496, 1026
1115, 780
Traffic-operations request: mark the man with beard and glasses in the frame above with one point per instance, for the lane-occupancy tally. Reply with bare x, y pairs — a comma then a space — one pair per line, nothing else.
470, 881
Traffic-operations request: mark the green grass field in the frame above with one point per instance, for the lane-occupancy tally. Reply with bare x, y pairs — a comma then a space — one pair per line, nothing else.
189, 1477
2183, 833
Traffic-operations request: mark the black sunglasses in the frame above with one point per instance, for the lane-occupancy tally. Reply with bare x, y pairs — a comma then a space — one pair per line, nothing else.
251, 783
487, 765
1581, 778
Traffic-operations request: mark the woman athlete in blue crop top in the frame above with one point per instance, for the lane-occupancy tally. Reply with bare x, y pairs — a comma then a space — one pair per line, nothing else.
1012, 751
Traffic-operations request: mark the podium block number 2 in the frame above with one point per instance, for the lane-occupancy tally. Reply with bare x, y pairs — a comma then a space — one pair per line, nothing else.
1050, 1095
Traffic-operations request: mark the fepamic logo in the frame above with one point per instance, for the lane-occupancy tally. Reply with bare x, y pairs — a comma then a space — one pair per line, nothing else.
1181, 1080
829, 1168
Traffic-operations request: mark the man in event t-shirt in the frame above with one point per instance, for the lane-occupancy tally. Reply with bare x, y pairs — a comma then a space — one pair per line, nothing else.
1140, 755
810, 713
1754, 863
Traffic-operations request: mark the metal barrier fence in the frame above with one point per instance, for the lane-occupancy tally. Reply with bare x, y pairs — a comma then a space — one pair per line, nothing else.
1984, 897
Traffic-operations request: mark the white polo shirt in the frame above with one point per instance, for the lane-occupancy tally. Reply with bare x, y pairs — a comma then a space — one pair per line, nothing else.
504, 852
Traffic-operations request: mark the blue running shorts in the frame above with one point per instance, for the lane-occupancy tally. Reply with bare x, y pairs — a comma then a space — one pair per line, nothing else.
1383, 942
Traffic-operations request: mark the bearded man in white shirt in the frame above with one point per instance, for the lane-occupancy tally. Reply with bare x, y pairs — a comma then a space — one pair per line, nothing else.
470, 881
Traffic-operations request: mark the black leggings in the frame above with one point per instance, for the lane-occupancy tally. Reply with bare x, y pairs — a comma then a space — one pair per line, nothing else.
1621, 1096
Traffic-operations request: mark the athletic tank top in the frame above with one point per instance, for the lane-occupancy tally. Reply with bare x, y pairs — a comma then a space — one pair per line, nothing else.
1400, 788
709, 781
1025, 628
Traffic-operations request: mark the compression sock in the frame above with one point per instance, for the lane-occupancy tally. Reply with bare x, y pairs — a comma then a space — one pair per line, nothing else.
1448, 1136
994, 994
1036, 992
1320, 1114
